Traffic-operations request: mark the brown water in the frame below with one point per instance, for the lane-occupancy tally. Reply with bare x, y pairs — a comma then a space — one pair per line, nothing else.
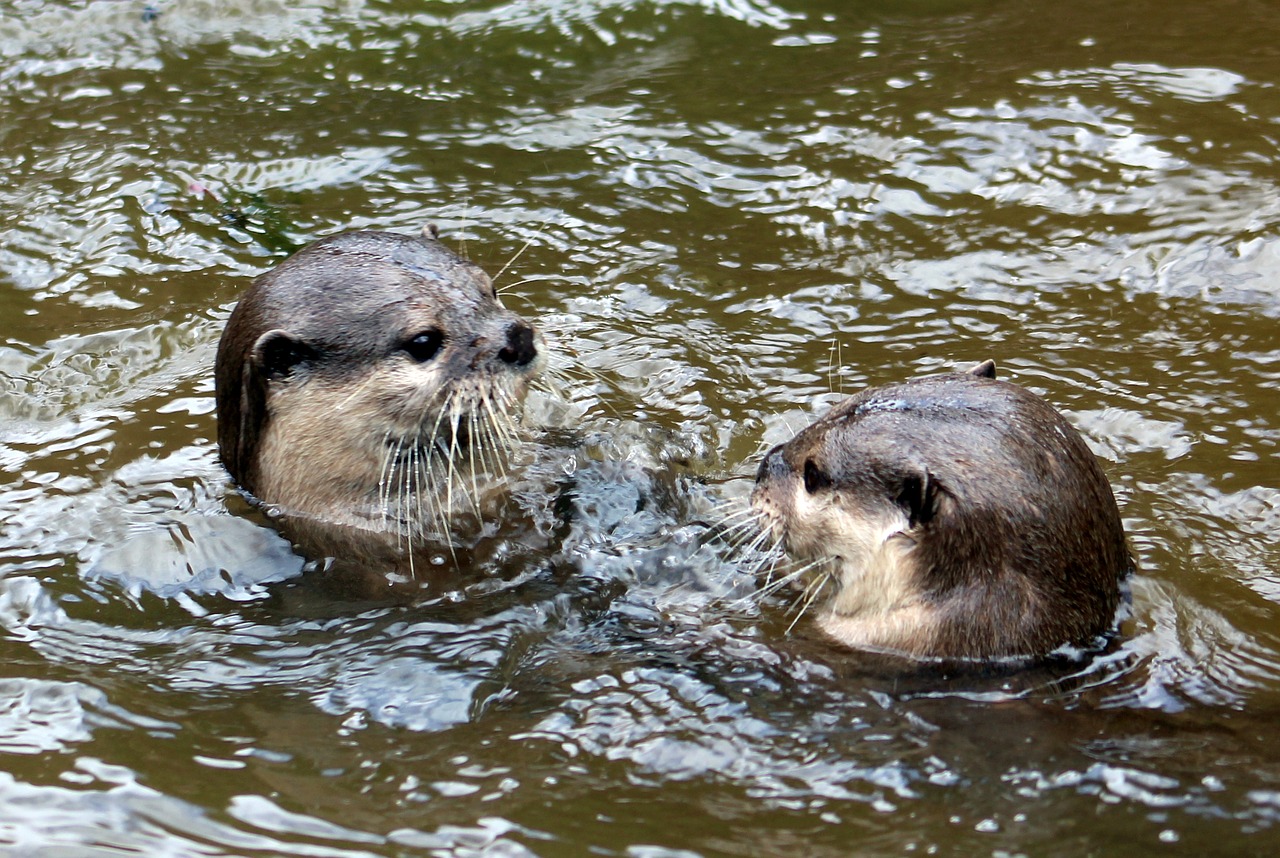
735, 211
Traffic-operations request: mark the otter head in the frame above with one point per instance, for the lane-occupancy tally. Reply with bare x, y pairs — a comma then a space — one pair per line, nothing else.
952, 516
363, 368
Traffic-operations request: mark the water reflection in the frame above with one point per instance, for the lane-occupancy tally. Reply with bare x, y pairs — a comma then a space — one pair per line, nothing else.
736, 213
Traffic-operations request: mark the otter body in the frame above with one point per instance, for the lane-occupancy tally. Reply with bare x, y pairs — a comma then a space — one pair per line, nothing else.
368, 381
951, 517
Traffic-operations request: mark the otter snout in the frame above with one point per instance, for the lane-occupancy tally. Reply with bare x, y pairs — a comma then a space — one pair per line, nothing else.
520, 349
770, 499
364, 355
773, 466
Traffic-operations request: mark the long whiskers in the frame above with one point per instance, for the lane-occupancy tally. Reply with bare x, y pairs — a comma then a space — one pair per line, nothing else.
811, 594
738, 528
746, 534
528, 242
430, 476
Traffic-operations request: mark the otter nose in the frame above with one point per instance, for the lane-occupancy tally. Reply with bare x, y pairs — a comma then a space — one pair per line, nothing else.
519, 349
772, 466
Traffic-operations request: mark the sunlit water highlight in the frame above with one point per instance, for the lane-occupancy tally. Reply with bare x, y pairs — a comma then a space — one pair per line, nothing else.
736, 212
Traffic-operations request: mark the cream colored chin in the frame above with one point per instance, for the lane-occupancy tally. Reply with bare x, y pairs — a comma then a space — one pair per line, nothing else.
320, 455
325, 451
908, 630
876, 602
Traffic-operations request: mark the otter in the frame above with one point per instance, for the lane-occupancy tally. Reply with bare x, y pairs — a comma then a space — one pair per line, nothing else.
369, 381
948, 517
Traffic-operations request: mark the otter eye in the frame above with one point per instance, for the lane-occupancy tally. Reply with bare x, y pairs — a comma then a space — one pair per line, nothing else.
815, 478
423, 347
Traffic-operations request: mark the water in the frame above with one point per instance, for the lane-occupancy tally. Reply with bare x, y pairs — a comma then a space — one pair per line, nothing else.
735, 212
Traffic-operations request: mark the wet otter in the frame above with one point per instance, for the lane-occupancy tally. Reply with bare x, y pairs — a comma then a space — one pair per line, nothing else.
368, 381
951, 516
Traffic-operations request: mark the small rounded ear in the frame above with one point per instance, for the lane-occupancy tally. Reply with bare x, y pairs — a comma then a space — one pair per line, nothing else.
277, 354
986, 369
919, 497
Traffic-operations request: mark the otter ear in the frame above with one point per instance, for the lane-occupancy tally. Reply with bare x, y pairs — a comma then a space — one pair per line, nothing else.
986, 369
277, 354
919, 497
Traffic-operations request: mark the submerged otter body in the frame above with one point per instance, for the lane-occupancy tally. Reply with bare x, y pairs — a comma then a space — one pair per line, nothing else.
368, 382
952, 517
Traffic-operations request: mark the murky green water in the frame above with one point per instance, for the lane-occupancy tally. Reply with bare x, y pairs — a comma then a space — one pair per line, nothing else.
735, 211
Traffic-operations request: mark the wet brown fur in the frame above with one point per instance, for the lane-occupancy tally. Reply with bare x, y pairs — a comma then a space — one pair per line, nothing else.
316, 374
978, 522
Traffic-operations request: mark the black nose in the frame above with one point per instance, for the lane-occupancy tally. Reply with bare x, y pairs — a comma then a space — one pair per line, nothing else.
773, 465
519, 349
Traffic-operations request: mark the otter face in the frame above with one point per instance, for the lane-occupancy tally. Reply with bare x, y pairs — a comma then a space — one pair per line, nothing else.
366, 376
953, 516
830, 505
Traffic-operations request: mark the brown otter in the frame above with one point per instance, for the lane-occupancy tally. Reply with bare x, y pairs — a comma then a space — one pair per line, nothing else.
951, 516
368, 381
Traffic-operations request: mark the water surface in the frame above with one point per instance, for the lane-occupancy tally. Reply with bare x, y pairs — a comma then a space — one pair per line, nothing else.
729, 213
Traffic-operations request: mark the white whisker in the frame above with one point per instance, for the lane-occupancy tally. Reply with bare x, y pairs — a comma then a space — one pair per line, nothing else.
511, 261
791, 577
471, 463
810, 595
